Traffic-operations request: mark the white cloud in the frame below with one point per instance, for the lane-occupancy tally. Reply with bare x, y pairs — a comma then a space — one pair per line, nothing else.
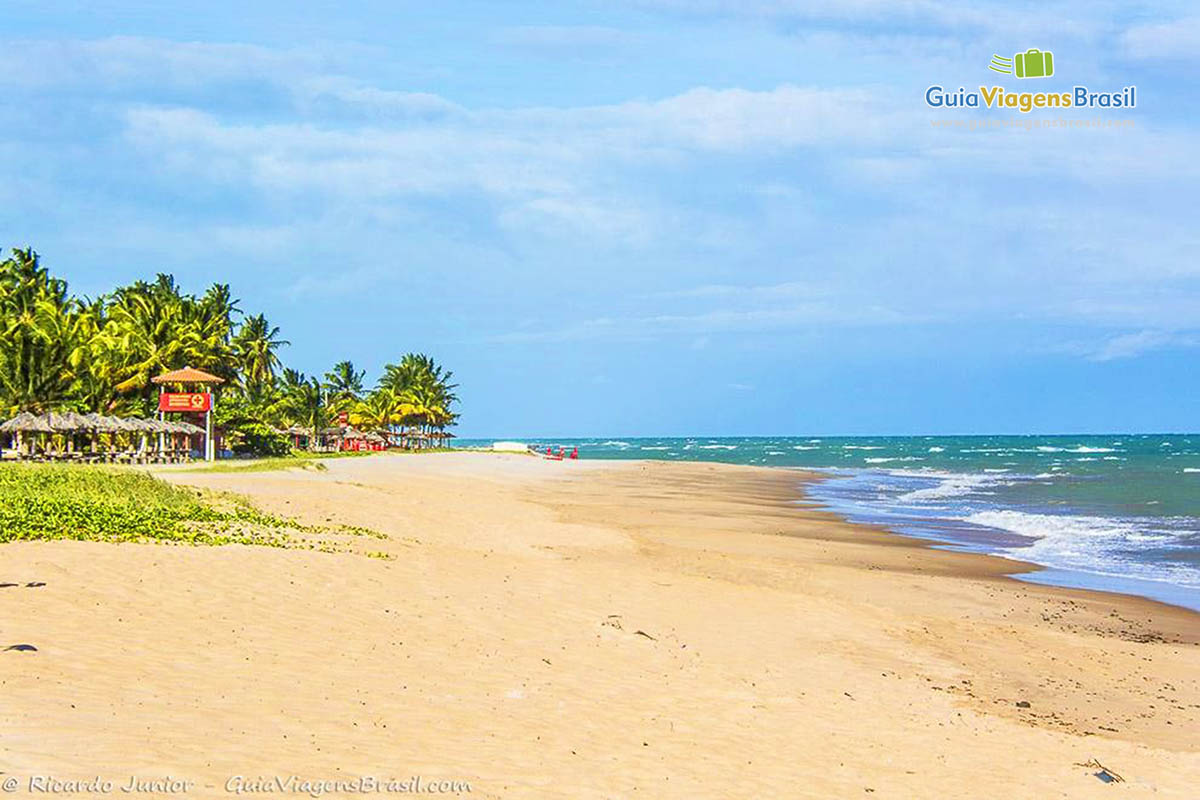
558, 40
1130, 345
125, 62
1178, 39
889, 15
702, 324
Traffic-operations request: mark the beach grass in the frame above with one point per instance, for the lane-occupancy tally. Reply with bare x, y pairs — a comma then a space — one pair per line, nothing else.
302, 459
260, 465
46, 501
299, 459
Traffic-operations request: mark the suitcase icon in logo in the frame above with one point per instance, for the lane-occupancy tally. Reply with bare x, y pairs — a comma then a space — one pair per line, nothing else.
1034, 63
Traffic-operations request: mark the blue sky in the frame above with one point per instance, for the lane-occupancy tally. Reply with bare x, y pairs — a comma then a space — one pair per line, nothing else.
650, 217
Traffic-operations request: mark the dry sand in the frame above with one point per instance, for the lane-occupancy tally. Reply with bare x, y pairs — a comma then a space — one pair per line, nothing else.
585, 630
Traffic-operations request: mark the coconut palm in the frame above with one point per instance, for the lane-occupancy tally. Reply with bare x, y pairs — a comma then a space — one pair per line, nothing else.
424, 388
255, 345
344, 385
61, 353
378, 411
40, 332
305, 403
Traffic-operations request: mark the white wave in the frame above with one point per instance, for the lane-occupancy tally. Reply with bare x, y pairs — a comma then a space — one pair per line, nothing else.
892, 458
805, 447
952, 485
655, 448
860, 447
1083, 449
937, 449
775, 453
615, 443
1091, 544
1191, 469
718, 447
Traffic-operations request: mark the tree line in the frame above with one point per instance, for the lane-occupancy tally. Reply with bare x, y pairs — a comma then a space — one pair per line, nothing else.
61, 352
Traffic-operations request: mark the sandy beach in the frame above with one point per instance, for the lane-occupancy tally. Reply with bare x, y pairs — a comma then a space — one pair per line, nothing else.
584, 630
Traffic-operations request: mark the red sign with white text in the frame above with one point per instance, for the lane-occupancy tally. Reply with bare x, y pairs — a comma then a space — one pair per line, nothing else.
185, 401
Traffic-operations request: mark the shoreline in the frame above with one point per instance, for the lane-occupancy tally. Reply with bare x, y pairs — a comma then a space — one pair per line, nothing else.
940, 557
586, 629
1019, 569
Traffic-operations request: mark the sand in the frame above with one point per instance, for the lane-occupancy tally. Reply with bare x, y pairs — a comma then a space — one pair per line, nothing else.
585, 630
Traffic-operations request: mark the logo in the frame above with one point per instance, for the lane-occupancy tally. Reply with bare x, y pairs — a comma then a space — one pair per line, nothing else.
1033, 63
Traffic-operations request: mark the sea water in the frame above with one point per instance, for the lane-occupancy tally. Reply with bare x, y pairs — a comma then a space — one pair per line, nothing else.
1113, 512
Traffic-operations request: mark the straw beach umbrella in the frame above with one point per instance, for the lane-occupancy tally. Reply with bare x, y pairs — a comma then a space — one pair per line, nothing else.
98, 424
24, 423
69, 423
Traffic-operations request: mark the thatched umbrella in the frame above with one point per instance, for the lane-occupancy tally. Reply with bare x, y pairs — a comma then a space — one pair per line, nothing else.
23, 423
100, 423
26, 422
69, 423
97, 424
125, 425
74, 422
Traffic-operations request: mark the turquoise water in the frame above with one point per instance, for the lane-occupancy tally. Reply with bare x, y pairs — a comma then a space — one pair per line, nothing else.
1116, 512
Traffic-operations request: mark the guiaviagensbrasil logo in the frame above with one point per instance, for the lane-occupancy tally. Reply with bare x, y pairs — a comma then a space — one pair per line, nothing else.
1031, 63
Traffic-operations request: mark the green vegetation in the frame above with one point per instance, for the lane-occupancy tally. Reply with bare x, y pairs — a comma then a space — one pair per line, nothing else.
40, 501
59, 352
43, 501
299, 459
261, 465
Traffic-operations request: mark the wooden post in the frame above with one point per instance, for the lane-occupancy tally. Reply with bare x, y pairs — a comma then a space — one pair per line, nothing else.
161, 417
210, 450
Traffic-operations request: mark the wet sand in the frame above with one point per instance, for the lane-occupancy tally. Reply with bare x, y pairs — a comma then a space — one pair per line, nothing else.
586, 629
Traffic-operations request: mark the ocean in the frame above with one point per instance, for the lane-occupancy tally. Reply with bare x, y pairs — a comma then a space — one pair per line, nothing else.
1114, 512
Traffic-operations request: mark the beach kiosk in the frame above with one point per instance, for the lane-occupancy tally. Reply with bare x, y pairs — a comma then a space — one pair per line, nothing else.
199, 400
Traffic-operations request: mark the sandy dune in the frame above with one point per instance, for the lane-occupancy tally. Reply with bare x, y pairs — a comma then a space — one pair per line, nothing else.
586, 630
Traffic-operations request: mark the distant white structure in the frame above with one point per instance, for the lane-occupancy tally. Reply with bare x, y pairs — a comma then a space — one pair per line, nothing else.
510, 447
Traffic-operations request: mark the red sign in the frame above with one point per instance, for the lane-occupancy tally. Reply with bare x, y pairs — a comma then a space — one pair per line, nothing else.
185, 401
343, 418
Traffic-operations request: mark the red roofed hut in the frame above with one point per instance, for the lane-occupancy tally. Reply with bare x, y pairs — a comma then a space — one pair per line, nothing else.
195, 397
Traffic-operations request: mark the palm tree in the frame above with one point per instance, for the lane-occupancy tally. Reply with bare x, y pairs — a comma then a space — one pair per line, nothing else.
255, 345
344, 385
423, 391
378, 411
306, 404
150, 328
40, 332
58, 351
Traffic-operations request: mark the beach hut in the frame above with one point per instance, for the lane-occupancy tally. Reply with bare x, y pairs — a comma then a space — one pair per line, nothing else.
200, 400
298, 434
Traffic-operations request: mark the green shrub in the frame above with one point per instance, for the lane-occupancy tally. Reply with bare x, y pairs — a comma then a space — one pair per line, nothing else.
258, 439
42, 501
